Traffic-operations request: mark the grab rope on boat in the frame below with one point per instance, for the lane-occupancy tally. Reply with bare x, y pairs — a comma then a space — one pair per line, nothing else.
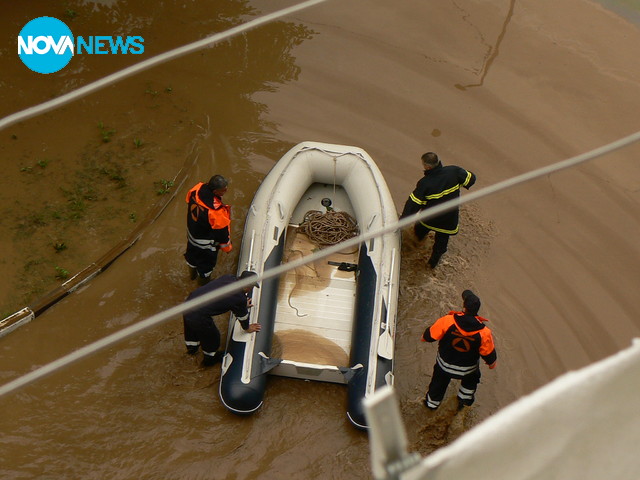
328, 228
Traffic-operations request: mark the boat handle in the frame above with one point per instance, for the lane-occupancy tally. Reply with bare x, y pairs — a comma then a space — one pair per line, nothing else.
250, 260
371, 221
393, 262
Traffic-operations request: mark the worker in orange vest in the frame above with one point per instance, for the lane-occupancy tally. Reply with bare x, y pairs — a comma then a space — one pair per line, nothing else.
463, 338
208, 226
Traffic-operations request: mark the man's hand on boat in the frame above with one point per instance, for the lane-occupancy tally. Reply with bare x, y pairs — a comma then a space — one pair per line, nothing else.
254, 327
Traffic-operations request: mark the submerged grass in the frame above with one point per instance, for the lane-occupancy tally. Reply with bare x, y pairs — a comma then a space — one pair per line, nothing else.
70, 199
94, 203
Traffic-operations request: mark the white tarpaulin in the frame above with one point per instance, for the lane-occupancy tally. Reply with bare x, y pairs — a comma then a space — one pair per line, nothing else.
585, 425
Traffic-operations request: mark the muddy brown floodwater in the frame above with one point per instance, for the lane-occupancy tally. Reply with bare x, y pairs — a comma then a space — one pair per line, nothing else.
499, 87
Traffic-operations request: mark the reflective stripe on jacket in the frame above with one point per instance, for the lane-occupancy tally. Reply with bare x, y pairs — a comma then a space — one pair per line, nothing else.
439, 185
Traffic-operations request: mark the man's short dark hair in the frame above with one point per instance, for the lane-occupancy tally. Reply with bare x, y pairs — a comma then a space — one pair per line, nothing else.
471, 302
249, 274
430, 159
217, 182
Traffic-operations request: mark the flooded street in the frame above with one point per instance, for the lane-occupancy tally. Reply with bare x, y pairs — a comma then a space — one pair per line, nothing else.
497, 87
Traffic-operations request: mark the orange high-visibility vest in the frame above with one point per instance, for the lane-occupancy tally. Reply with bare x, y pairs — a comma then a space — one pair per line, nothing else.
219, 216
442, 326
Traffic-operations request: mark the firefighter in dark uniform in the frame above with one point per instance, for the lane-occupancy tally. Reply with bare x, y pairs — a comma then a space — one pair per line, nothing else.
463, 340
199, 327
208, 226
439, 184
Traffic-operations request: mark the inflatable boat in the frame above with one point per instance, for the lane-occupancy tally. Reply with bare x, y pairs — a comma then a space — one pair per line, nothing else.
334, 319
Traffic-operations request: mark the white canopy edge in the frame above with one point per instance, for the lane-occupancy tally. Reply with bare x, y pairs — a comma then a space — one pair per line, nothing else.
583, 425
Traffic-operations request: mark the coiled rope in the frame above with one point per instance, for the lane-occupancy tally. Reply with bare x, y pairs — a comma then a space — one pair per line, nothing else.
328, 228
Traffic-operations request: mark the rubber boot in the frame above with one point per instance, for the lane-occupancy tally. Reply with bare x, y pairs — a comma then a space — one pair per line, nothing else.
193, 273
209, 361
434, 259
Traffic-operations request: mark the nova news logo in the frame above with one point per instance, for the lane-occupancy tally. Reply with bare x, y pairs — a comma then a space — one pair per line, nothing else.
46, 45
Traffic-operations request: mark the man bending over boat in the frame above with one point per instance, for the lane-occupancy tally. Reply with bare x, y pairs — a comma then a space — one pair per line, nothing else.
463, 339
439, 185
199, 326
208, 226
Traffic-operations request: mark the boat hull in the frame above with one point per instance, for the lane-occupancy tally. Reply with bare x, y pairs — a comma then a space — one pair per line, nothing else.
344, 319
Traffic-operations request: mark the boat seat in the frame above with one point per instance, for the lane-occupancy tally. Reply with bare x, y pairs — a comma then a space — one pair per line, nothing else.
329, 316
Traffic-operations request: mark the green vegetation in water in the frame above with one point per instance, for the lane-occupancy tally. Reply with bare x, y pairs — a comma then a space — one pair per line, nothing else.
105, 132
77, 198
163, 186
59, 247
61, 273
42, 163
30, 222
152, 92
114, 173
90, 193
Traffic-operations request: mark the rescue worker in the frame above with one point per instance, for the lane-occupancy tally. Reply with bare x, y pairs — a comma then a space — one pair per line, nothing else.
439, 184
463, 339
208, 226
199, 327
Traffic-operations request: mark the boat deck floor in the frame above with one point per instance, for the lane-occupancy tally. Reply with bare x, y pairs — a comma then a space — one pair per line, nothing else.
314, 316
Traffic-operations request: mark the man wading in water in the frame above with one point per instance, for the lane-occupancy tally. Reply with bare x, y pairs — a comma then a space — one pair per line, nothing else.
462, 339
439, 185
208, 226
199, 327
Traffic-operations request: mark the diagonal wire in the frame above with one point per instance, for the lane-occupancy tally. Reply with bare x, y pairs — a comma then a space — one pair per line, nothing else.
151, 62
279, 270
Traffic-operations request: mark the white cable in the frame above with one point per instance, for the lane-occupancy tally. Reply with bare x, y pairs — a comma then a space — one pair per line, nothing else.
152, 62
273, 272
